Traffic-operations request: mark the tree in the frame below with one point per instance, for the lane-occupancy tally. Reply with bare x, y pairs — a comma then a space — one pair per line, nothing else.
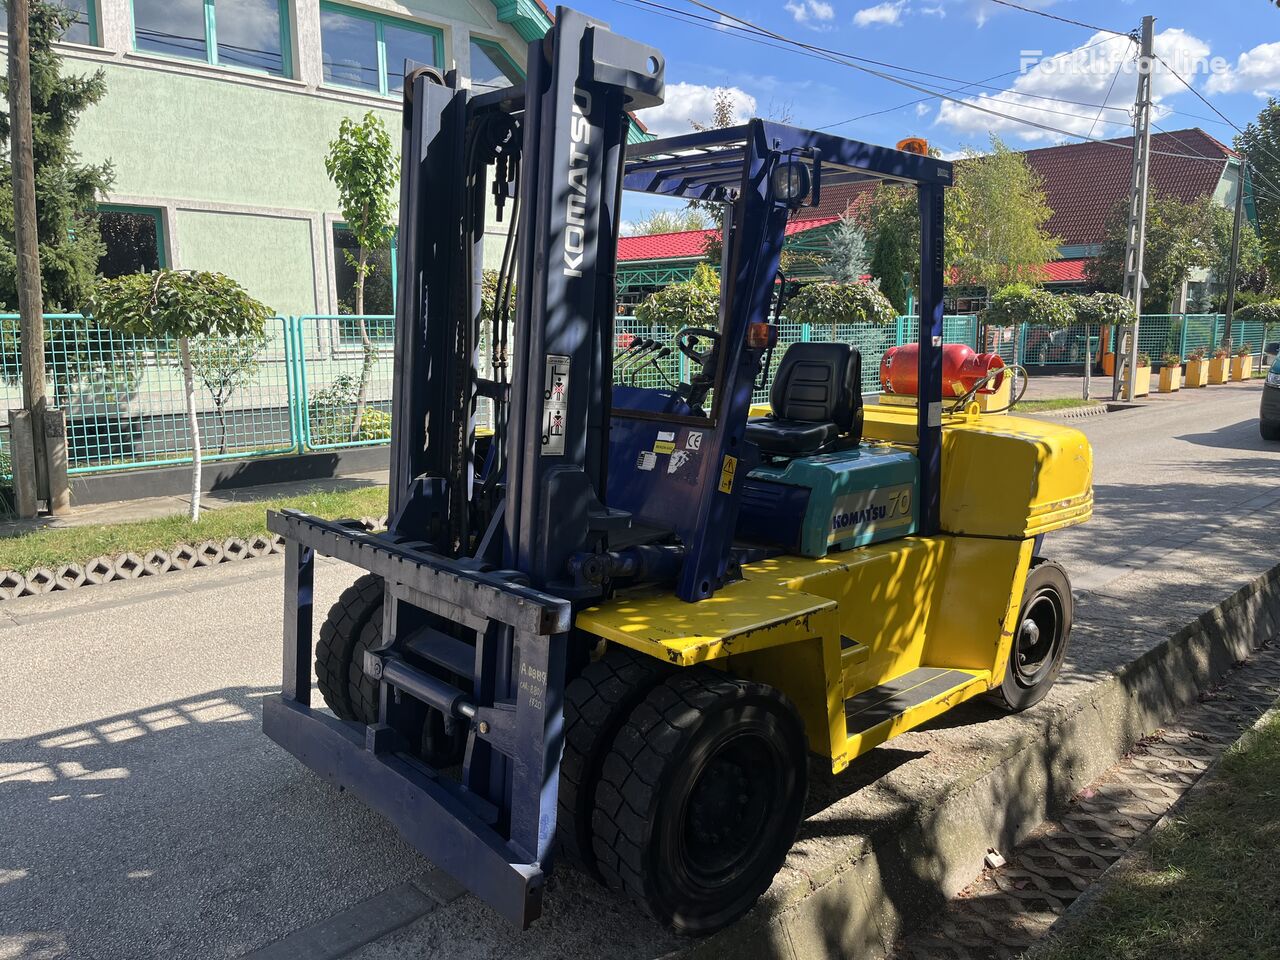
671, 221
836, 303
180, 305
846, 257
362, 164
891, 221
1251, 271
66, 189
1180, 240
1021, 303
996, 215
1260, 143
690, 303
224, 365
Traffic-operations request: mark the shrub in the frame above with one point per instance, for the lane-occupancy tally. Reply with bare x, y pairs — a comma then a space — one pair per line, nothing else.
1103, 309
1220, 353
1245, 350
1171, 360
691, 303
1196, 355
1020, 303
836, 302
1267, 312
1144, 360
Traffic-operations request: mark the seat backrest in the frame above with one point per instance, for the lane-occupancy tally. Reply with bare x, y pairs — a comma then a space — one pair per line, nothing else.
819, 383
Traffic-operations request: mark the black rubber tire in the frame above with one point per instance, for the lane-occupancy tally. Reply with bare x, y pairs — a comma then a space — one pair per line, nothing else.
597, 703
1046, 602
340, 635
700, 798
1270, 429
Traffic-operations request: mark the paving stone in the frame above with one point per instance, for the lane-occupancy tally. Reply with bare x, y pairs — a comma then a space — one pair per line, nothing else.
100, 570
12, 585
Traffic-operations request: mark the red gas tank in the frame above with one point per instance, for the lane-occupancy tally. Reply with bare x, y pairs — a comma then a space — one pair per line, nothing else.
961, 369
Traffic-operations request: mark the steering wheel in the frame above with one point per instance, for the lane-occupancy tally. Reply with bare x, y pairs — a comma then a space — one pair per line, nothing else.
687, 340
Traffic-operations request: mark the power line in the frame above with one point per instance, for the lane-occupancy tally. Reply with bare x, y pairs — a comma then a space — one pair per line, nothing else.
1051, 16
1107, 96
748, 30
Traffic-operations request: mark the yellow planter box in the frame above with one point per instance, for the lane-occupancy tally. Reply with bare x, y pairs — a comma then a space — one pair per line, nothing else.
1242, 368
1197, 373
1141, 383
1219, 370
1170, 379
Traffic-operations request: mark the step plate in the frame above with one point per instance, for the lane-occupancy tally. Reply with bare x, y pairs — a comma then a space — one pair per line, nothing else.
897, 696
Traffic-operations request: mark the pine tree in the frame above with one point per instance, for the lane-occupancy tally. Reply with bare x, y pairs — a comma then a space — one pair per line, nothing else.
67, 190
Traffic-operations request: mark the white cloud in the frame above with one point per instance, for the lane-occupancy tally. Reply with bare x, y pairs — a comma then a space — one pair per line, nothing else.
922, 109
810, 13
888, 14
1084, 75
938, 11
689, 102
1256, 70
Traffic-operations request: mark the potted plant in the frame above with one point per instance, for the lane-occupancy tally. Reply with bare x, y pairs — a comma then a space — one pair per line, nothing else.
1242, 365
1141, 378
1171, 373
1220, 366
1104, 311
1197, 368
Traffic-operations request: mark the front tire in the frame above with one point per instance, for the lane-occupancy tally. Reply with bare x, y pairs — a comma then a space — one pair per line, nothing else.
1040, 638
700, 798
344, 636
1270, 429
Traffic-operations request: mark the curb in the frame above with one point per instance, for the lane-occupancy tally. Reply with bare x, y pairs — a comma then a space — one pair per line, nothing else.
130, 566
1081, 906
905, 867
1067, 413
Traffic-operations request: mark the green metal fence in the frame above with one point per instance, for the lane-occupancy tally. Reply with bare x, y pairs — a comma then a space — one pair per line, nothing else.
301, 387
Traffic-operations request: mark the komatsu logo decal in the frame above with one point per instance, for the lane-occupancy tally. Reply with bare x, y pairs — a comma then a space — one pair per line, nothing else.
871, 512
575, 214
865, 515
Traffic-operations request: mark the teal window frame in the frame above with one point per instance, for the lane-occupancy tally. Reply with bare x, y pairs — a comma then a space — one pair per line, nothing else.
156, 214
497, 51
211, 42
380, 20
91, 14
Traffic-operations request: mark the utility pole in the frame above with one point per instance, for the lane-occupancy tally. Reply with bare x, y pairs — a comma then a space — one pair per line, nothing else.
26, 243
1235, 255
1137, 227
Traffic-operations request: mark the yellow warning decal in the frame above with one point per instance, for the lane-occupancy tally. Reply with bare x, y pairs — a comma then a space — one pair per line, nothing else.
726, 473
664, 446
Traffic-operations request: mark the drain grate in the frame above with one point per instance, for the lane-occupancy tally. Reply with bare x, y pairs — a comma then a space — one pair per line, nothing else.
1006, 910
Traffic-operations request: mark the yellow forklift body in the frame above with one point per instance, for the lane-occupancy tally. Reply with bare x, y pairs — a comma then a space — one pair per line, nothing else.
871, 642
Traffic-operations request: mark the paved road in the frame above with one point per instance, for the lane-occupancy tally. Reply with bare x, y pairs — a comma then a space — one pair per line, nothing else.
143, 814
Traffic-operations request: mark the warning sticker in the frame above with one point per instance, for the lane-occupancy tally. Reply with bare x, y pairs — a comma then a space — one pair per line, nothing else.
647, 460
727, 471
555, 405
663, 446
678, 460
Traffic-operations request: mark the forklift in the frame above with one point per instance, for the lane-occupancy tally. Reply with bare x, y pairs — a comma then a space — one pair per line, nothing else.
612, 625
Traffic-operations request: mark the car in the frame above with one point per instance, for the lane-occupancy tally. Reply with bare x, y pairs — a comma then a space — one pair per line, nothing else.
1269, 414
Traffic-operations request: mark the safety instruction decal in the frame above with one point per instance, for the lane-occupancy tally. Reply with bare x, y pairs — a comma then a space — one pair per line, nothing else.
727, 471
647, 460
555, 405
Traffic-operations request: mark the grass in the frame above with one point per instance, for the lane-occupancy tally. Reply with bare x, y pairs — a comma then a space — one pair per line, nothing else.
1209, 887
1052, 403
54, 546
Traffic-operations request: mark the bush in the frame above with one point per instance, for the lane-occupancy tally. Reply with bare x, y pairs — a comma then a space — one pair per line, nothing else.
1020, 303
331, 413
691, 303
836, 302
1103, 309
1267, 312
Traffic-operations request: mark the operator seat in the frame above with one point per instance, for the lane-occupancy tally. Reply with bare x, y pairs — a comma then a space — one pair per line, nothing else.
816, 398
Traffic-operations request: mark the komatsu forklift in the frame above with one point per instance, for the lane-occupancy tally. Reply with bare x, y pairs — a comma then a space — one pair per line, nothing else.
612, 625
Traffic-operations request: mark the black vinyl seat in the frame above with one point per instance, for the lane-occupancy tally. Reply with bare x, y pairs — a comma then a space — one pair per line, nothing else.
816, 398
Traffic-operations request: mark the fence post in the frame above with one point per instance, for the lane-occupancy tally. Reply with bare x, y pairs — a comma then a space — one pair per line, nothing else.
897, 337
300, 384
804, 332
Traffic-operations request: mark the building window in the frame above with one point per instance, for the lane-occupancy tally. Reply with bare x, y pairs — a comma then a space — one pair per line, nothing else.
379, 286
134, 240
371, 52
84, 29
491, 66
249, 34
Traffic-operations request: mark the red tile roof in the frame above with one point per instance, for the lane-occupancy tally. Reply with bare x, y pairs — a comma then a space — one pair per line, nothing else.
691, 243
1084, 181
1065, 271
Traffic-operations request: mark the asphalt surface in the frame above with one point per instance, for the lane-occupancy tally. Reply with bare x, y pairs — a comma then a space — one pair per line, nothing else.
143, 814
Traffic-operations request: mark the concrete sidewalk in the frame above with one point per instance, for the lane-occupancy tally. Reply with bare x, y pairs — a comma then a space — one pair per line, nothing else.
127, 511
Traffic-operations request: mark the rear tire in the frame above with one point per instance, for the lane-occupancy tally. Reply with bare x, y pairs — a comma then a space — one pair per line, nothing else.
1040, 638
1270, 429
700, 798
597, 703
340, 649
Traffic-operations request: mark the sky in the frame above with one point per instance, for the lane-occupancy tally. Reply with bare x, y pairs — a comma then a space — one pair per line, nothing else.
1069, 76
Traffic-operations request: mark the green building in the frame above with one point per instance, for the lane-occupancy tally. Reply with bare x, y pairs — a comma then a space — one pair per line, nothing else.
218, 115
